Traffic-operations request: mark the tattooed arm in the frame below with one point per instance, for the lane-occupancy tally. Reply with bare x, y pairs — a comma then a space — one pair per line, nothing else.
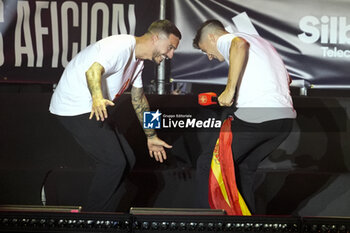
93, 78
155, 145
140, 104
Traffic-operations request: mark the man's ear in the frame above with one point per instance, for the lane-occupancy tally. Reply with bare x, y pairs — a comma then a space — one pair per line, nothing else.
212, 37
155, 38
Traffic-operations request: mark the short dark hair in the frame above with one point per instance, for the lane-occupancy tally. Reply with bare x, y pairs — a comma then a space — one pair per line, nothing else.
164, 26
212, 23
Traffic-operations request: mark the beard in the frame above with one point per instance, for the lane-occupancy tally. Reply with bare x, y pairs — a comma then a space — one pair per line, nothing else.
157, 57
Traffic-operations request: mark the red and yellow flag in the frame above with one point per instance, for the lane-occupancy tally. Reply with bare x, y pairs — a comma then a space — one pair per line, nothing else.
223, 192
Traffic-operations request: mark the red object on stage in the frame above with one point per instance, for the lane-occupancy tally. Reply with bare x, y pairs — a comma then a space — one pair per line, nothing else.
207, 98
223, 191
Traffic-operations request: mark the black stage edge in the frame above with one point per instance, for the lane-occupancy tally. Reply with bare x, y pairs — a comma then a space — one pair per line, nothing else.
15, 221
168, 223
26, 221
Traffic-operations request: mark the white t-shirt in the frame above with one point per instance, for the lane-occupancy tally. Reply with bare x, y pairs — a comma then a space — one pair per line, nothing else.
117, 55
263, 92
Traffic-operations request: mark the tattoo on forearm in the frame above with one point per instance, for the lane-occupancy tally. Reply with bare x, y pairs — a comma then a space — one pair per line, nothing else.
140, 104
94, 86
93, 78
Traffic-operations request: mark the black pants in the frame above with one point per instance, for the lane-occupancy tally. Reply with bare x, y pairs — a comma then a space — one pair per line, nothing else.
103, 144
251, 143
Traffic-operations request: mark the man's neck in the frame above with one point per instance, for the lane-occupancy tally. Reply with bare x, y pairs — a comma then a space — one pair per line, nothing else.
143, 48
221, 33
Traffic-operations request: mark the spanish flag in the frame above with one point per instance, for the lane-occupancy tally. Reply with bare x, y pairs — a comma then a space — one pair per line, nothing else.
223, 192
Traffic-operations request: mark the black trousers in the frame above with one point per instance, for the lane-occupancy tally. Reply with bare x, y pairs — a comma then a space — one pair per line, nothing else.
251, 143
104, 145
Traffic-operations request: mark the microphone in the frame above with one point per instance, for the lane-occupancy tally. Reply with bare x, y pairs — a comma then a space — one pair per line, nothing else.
207, 98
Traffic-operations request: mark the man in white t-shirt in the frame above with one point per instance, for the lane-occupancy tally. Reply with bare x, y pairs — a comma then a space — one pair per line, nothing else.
258, 92
91, 81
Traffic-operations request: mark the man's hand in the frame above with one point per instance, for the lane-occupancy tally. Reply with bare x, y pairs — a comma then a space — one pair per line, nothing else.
226, 98
155, 145
99, 104
99, 108
156, 148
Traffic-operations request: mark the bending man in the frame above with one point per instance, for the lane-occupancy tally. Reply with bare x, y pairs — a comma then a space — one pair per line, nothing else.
92, 79
257, 89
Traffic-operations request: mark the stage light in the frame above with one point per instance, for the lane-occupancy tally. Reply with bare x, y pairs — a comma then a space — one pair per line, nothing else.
164, 226
145, 226
173, 226
326, 225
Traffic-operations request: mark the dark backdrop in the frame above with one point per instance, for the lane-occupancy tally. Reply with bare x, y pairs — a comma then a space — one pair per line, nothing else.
307, 175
